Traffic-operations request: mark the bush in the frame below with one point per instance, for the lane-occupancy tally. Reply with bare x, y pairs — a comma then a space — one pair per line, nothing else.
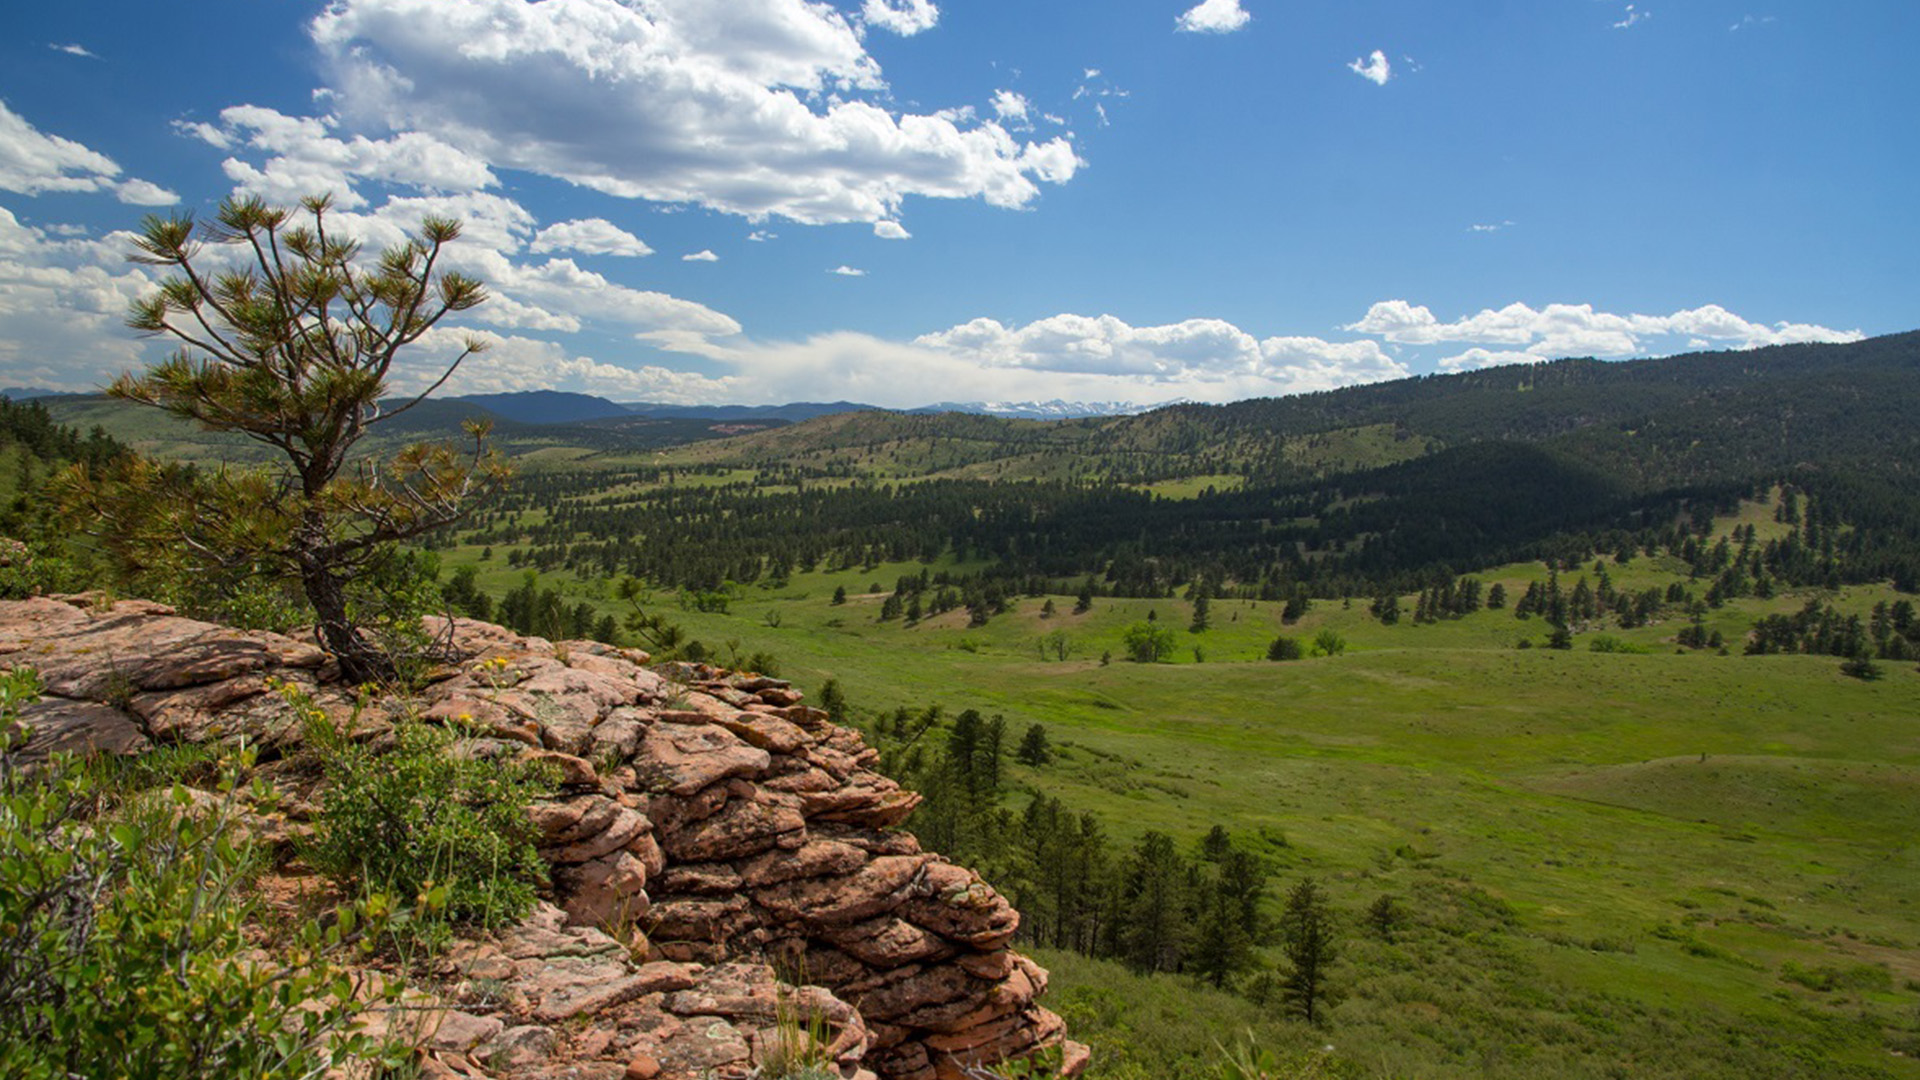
1862, 668
25, 572
419, 822
1607, 643
1284, 648
1329, 643
123, 943
1148, 642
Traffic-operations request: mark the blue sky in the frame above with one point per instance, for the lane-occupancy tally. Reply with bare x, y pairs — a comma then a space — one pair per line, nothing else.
905, 201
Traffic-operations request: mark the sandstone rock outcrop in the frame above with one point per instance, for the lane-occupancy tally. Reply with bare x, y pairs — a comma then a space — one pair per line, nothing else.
709, 831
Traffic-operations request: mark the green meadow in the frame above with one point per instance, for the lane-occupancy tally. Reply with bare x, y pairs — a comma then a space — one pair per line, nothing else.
1648, 862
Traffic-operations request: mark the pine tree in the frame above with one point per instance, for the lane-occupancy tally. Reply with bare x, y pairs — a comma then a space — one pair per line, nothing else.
1155, 926
1307, 938
1034, 748
1202, 617
1083, 603
291, 350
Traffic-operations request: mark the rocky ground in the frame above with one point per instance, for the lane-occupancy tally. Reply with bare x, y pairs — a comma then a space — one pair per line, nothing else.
711, 833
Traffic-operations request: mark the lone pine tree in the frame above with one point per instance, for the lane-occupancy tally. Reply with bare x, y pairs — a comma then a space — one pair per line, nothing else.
291, 345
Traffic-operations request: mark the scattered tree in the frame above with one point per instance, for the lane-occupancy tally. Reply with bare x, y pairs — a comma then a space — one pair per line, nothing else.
1034, 749
1307, 938
1148, 642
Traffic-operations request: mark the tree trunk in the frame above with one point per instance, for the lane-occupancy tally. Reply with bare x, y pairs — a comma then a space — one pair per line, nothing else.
359, 660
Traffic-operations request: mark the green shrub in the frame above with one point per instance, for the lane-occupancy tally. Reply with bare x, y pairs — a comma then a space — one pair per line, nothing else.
1147, 642
1329, 643
1607, 643
1284, 648
26, 572
123, 944
417, 822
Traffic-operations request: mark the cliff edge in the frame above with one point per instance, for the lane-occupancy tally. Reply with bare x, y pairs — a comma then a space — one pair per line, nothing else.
711, 834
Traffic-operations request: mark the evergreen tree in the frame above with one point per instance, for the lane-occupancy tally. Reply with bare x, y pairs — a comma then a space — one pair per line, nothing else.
1156, 926
1202, 617
1307, 938
291, 350
1034, 748
833, 700
1384, 916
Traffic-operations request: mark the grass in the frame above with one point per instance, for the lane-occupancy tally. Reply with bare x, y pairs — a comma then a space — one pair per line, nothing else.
1662, 833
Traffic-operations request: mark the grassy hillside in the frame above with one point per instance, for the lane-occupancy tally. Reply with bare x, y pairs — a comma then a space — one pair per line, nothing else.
534, 447
1654, 861
1675, 420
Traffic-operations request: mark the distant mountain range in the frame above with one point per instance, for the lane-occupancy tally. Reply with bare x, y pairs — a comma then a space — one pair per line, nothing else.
566, 407
21, 393
1041, 410
562, 407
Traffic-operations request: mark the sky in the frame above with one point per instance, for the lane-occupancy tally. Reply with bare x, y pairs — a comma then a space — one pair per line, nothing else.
900, 202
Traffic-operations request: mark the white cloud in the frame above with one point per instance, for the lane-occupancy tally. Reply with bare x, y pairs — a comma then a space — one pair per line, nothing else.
1212, 17
1375, 68
138, 192
32, 163
62, 302
1011, 106
1192, 355
1578, 330
1632, 18
761, 236
560, 285
513, 363
891, 230
700, 256
1476, 358
1489, 227
903, 17
847, 271
74, 50
306, 157
589, 236
1748, 22
754, 107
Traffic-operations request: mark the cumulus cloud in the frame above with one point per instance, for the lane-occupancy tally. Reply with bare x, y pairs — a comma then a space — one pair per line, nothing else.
1578, 330
1374, 68
1213, 17
903, 17
74, 50
1194, 355
305, 156
847, 271
753, 107
512, 362
891, 230
700, 256
62, 301
589, 236
1476, 358
1491, 226
1633, 17
1011, 106
32, 163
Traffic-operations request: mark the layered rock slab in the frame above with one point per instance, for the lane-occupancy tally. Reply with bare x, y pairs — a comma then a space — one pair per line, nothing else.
708, 823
